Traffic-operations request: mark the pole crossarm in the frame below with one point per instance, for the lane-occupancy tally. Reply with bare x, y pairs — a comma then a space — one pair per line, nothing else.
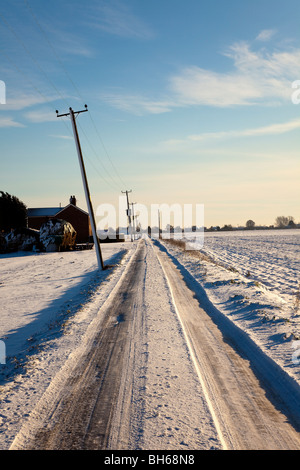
74, 112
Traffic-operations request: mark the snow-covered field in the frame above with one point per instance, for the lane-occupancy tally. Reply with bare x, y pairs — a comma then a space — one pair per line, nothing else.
38, 290
253, 277
49, 300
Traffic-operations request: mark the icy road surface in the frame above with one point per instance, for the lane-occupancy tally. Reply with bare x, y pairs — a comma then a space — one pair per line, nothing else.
155, 371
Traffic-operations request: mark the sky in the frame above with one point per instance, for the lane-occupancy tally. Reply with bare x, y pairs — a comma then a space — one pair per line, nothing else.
189, 102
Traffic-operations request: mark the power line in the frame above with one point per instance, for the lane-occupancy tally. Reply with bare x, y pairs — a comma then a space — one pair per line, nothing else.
6, 23
47, 100
105, 150
51, 46
94, 151
44, 97
114, 185
74, 86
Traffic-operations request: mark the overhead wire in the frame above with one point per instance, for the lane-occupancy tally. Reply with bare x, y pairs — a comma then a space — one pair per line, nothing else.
95, 153
106, 152
75, 88
7, 24
45, 98
33, 85
51, 46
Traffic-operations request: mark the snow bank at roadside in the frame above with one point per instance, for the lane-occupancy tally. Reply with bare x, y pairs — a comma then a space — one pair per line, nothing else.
47, 303
252, 300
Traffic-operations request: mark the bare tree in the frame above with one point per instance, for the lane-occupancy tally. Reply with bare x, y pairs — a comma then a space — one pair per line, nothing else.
283, 221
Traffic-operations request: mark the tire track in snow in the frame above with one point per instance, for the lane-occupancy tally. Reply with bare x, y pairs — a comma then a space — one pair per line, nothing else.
244, 416
202, 379
132, 386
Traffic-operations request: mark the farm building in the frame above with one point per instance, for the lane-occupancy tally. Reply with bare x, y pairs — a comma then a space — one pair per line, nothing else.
77, 217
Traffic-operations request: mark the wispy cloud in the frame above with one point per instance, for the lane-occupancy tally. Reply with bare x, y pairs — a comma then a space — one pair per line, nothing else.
63, 137
40, 115
21, 101
273, 129
266, 35
191, 141
138, 104
257, 77
70, 44
7, 121
116, 18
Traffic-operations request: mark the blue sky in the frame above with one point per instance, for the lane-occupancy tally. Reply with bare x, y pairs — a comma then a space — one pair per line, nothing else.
189, 102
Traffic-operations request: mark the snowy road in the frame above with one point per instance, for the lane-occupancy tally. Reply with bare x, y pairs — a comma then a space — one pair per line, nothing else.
158, 373
82, 417
244, 417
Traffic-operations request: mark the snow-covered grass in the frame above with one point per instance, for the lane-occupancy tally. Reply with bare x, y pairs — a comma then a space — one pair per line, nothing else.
41, 291
48, 300
253, 278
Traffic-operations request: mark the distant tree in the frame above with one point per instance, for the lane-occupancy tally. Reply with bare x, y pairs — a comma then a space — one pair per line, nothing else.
291, 220
250, 224
291, 224
227, 227
13, 212
170, 228
283, 221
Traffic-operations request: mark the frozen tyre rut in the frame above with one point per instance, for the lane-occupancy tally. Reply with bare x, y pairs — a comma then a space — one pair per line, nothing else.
243, 414
157, 374
134, 385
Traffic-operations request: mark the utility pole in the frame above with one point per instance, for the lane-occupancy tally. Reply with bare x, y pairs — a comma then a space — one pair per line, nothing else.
159, 227
85, 183
133, 219
128, 212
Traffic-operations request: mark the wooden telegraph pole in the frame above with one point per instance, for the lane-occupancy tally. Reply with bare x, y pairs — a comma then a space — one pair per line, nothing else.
85, 183
159, 225
128, 212
133, 219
